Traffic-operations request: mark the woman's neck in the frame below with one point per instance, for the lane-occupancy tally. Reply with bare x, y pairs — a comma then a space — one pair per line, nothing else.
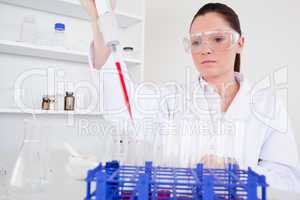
226, 86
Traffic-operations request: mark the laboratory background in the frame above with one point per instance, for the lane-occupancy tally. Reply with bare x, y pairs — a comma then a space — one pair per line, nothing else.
46, 42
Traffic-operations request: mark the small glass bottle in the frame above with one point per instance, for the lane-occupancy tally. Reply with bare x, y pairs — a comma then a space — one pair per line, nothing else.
52, 103
128, 52
59, 35
28, 30
45, 103
69, 101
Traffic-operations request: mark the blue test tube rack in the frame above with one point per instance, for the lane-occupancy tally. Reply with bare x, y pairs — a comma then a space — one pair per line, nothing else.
116, 182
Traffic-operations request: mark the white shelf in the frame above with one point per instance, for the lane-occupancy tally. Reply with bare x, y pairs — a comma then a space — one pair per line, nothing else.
126, 20
48, 112
26, 49
70, 8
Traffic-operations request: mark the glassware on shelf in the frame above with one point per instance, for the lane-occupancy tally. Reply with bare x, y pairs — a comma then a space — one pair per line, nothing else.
59, 35
127, 51
130, 52
52, 104
59, 101
81, 102
43, 37
69, 101
45, 103
28, 30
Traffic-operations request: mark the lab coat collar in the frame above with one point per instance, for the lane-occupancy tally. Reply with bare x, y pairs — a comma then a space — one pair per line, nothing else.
205, 85
240, 106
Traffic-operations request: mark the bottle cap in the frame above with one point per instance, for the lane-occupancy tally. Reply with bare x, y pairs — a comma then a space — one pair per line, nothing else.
69, 93
128, 48
59, 27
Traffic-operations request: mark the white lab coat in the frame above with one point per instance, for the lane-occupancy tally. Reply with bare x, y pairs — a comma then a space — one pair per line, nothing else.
269, 148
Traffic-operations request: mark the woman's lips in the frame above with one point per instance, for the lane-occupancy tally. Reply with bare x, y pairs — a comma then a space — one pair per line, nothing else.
208, 61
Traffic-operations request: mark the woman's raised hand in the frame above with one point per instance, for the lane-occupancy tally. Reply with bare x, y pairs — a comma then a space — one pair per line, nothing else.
90, 8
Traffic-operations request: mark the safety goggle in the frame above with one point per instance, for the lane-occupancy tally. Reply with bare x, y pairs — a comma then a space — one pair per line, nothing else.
214, 40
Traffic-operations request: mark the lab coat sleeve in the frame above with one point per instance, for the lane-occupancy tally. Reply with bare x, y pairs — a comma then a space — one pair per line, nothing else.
110, 95
280, 176
279, 159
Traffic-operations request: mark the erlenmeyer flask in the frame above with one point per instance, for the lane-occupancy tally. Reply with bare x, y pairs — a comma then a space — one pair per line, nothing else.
28, 176
3, 184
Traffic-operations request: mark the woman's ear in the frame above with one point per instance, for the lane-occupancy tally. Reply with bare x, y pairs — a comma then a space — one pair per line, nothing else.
241, 43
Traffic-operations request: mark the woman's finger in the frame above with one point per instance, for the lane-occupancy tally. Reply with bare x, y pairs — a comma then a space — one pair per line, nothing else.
213, 161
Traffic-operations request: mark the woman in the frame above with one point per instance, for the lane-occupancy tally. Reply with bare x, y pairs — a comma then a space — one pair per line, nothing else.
216, 42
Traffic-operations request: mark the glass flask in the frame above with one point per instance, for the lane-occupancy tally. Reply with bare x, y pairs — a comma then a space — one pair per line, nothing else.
59, 35
28, 30
3, 184
28, 179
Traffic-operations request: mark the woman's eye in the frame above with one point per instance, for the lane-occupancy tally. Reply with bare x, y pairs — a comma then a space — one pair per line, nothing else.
219, 39
195, 43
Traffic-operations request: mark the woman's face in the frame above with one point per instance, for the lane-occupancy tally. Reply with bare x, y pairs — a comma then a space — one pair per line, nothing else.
210, 62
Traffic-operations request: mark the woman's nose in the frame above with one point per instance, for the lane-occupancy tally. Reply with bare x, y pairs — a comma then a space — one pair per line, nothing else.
206, 49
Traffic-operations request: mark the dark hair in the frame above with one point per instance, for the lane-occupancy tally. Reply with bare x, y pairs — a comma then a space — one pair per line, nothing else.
230, 16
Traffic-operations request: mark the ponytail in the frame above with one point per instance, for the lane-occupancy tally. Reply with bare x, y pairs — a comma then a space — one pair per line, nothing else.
237, 63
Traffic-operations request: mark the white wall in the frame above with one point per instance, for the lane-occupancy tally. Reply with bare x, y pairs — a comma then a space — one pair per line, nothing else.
272, 34
12, 66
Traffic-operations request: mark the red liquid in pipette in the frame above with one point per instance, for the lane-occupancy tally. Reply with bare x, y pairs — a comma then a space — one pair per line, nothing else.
125, 93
